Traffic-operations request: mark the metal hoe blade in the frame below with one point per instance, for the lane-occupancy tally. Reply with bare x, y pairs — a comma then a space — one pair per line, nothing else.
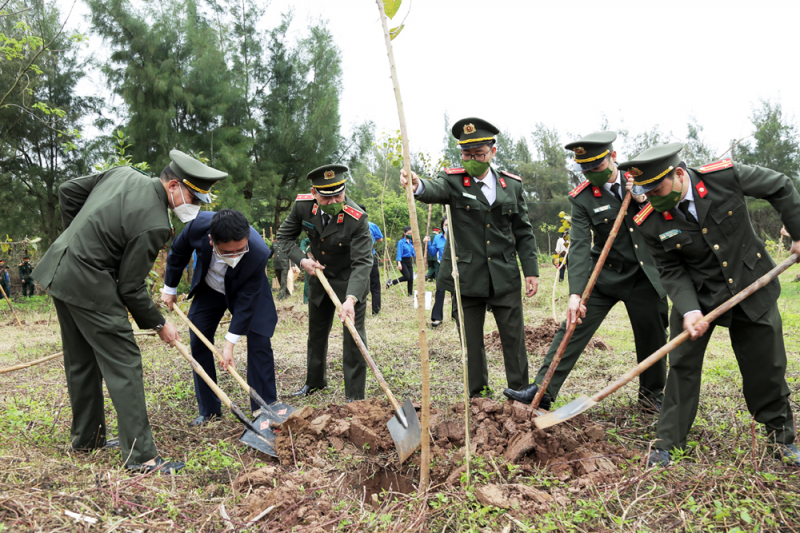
565, 412
264, 442
407, 440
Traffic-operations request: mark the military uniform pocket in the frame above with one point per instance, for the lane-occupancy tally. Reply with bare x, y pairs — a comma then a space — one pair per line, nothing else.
467, 212
729, 216
679, 241
607, 216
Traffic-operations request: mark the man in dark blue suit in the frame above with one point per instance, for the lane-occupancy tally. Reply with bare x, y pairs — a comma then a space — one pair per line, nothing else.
230, 274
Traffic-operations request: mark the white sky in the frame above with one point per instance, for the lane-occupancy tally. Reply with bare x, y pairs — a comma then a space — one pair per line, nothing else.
565, 64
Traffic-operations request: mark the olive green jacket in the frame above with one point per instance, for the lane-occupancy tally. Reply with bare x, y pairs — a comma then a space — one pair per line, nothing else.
25, 271
488, 238
594, 210
703, 265
344, 246
115, 224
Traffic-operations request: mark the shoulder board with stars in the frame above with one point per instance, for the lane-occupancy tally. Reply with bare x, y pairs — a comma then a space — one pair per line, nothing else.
455, 171
642, 215
302, 197
510, 175
355, 213
574, 192
713, 167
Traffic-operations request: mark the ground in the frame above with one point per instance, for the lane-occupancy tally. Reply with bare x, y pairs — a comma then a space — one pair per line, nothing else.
338, 471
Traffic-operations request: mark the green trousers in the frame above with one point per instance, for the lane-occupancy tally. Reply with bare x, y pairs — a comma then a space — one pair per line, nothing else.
305, 288
99, 347
433, 269
320, 321
761, 355
27, 287
507, 311
648, 315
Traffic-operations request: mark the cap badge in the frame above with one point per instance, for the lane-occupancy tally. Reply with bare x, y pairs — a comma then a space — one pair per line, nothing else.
329, 174
579, 150
635, 172
469, 128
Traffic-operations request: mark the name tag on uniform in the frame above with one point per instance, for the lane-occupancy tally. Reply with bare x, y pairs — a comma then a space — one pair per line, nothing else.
308, 224
602, 208
468, 195
670, 233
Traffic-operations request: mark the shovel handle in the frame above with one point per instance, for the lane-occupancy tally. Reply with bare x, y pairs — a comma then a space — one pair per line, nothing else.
202, 373
680, 339
210, 346
361, 346
587, 291
32, 363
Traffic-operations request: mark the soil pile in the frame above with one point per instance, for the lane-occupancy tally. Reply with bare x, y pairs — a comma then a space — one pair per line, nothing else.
574, 450
538, 339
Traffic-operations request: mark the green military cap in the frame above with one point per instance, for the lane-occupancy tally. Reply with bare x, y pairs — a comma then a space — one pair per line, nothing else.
200, 178
649, 168
591, 150
473, 132
328, 180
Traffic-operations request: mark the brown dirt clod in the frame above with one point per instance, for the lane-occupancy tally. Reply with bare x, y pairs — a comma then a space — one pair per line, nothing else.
539, 338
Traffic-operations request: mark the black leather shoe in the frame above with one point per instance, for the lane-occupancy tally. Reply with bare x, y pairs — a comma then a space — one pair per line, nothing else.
527, 395
436, 323
110, 444
160, 466
305, 391
650, 407
658, 458
201, 420
788, 454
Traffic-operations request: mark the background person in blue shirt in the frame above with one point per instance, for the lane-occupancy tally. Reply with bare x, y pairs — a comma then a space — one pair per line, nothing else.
405, 261
433, 258
375, 274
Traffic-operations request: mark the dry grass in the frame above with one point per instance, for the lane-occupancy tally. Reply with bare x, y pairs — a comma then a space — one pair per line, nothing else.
727, 479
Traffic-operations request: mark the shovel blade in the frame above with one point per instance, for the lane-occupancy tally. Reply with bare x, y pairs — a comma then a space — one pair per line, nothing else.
565, 412
263, 442
278, 411
407, 440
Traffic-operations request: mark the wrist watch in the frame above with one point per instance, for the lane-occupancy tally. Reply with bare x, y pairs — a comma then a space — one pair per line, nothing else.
160, 327
355, 300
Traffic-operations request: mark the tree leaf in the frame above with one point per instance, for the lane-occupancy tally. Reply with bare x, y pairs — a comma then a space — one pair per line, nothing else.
5, 248
394, 32
391, 7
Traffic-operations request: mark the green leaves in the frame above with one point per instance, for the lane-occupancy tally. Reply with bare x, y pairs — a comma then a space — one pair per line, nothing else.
394, 32
390, 7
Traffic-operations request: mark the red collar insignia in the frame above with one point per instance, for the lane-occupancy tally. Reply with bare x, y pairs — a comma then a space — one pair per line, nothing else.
667, 215
314, 209
466, 181
596, 191
702, 190
341, 218
502, 182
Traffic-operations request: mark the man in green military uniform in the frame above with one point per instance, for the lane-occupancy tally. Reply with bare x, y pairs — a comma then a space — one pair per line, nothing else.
341, 245
490, 228
25, 271
629, 274
698, 229
281, 265
115, 224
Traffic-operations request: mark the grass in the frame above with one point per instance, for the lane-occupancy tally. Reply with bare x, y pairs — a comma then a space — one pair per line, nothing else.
725, 481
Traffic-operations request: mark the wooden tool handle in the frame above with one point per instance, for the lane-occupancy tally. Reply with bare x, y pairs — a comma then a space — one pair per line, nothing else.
710, 317
202, 373
210, 346
586, 293
361, 346
32, 363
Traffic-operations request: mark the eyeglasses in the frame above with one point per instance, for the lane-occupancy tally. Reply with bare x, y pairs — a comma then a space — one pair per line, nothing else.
237, 254
478, 157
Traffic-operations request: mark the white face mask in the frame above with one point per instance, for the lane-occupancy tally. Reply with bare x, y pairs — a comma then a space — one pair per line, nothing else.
231, 261
186, 212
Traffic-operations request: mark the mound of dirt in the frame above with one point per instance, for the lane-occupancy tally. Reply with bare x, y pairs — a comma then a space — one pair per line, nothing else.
291, 313
538, 339
576, 450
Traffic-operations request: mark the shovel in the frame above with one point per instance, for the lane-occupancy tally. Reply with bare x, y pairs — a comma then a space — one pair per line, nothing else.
262, 440
583, 403
404, 426
268, 415
587, 291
